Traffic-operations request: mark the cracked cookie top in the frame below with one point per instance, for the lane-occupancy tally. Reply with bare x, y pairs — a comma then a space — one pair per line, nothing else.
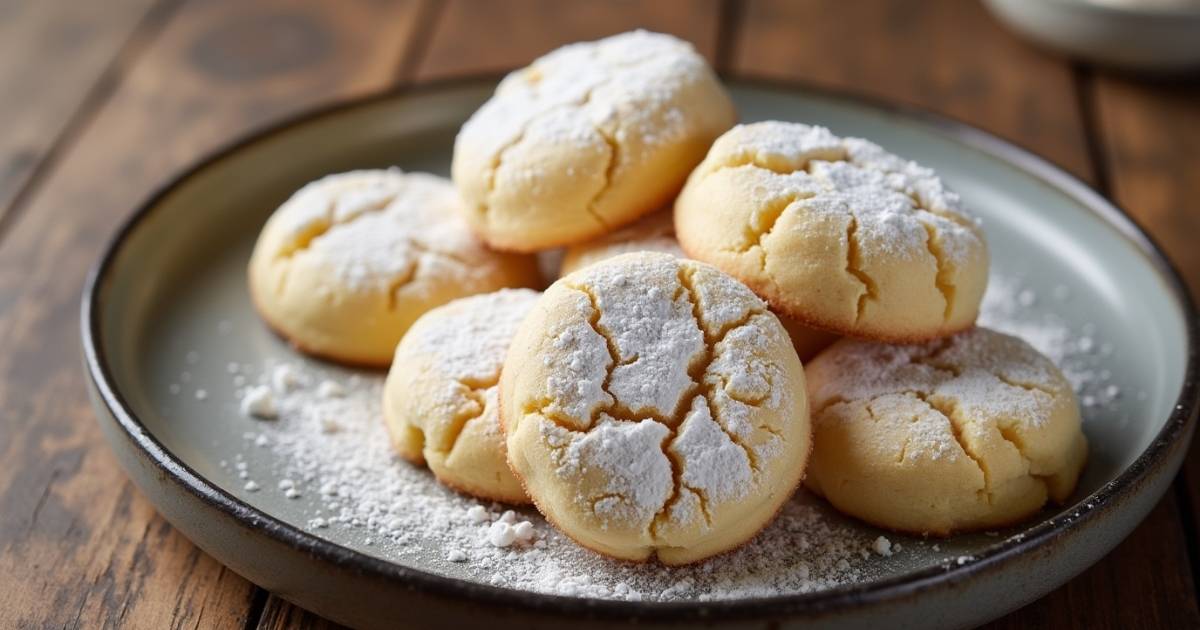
835, 232
347, 263
969, 432
587, 138
654, 406
440, 398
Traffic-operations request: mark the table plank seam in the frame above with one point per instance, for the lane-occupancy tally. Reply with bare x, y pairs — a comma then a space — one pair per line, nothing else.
730, 21
258, 607
152, 23
1083, 79
1191, 531
429, 13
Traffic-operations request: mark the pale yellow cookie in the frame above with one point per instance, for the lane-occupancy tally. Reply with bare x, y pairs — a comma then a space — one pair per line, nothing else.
439, 400
350, 261
587, 138
964, 433
835, 232
654, 406
656, 233
653, 233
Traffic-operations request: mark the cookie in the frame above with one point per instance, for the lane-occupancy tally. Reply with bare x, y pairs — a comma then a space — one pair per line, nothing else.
347, 264
653, 233
587, 138
970, 432
653, 406
835, 232
439, 400
656, 233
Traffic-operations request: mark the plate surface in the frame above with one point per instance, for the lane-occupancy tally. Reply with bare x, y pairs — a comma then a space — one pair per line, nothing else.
167, 316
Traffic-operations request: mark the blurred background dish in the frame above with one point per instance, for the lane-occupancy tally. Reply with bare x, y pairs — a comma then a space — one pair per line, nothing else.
1161, 36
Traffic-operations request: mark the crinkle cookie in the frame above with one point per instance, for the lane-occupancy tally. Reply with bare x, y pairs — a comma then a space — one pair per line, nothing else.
439, 400
351, 260
656, 233
587, 138
965, 433
653, 406
835, 232
653, 233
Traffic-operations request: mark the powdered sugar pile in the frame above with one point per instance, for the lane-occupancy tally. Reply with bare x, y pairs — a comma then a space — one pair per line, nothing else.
350, 481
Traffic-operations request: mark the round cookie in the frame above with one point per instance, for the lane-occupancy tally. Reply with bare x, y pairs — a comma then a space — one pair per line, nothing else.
440, 397
656, 233
652, 405
835, 232
964, 433
652, 233
346, 264
587, 138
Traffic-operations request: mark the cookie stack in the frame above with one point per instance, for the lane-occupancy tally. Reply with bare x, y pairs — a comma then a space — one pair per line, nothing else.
651, 402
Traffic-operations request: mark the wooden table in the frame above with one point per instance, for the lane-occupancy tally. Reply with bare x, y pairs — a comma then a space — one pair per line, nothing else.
102, 101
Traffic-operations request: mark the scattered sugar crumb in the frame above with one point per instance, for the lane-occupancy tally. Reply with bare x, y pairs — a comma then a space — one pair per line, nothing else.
477, 514
259, 403
501, 534
330, 389
882, 546
284, 378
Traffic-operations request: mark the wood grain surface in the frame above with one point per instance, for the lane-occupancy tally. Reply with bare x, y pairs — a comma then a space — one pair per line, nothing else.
86, 46
80, 547
144, 87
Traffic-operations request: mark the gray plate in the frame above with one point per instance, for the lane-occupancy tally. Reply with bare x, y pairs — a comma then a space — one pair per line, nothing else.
169, 298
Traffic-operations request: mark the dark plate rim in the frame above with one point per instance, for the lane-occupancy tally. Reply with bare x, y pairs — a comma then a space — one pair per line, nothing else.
1110, 496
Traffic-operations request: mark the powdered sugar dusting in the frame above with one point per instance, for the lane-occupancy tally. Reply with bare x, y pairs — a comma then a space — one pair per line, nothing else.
353, 485
679, 432
986, 374
896, 202
377, 230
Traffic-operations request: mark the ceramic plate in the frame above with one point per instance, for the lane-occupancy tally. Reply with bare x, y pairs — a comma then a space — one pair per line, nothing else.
168, 325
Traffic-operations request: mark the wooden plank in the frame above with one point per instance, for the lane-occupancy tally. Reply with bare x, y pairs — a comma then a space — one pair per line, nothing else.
1151, 146
947, 56
79, 41
950, 57
1151, 151
481, 36
79, 547
282, 615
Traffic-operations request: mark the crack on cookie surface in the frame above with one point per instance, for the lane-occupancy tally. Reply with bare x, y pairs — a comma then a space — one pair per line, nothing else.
1032, 388
699, 373
769, 218
304, 239
703, 384
459, 423
854, 268
937, 216
614, 155
941, 279
957, 425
